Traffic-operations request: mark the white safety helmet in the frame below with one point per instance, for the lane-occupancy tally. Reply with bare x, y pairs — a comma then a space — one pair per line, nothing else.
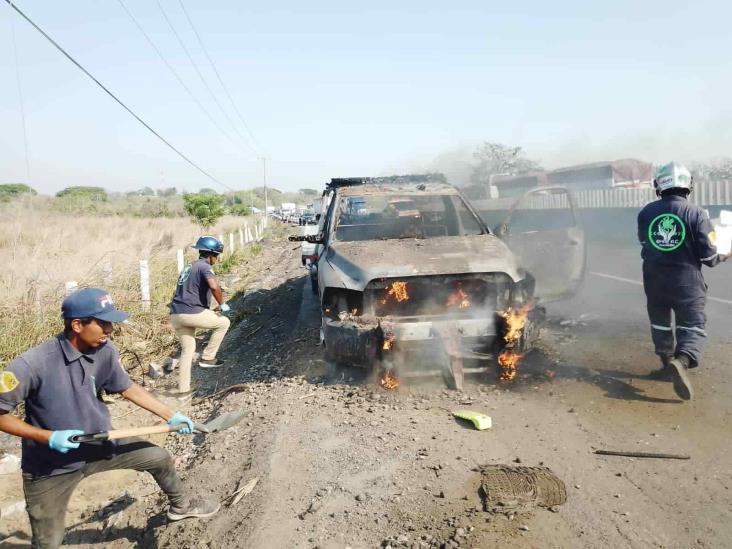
673, 176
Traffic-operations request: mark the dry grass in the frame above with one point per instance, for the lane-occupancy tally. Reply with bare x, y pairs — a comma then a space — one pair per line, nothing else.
42, 249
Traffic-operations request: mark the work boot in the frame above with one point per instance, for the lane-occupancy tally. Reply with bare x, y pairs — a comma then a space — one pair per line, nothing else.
665, 372
196, 506
682, 385
214, 363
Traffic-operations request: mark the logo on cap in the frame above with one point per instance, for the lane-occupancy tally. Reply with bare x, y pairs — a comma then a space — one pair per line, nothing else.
105, 300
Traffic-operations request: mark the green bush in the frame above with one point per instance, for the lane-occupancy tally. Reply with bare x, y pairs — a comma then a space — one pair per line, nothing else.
95, 194
9, 191
205, 209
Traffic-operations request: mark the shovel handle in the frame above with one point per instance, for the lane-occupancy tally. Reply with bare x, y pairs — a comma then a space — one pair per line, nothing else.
125, 433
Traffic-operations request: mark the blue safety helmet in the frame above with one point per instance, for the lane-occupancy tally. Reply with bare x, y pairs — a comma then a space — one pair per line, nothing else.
209, 244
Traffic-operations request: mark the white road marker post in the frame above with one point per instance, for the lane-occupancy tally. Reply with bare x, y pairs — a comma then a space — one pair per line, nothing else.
241, 237
71, 287
181, 261
221, 238
231, 243
145, 284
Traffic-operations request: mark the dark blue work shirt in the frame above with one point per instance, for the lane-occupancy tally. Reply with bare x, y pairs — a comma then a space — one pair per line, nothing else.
674, 232
60, 388
192, 291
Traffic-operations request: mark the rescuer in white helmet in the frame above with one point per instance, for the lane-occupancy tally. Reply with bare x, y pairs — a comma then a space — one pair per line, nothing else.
677, 238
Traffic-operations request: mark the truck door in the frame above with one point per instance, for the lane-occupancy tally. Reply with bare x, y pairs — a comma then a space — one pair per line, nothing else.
542, 230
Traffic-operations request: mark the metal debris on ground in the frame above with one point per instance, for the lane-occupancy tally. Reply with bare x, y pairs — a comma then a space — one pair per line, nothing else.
641, 454
507, 488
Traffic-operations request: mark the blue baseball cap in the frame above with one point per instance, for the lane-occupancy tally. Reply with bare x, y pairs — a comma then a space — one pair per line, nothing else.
91, 303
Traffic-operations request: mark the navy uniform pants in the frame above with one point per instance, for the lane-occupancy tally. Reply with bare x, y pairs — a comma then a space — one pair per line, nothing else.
679, 290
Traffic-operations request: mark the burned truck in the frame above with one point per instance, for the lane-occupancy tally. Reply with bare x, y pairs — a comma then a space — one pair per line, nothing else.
411, 281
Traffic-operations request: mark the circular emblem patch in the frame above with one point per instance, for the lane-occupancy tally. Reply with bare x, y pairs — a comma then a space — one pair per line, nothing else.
184, 274
666, 232
8, 382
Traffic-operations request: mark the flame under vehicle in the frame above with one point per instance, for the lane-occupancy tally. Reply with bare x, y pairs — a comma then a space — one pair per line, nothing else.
412, 281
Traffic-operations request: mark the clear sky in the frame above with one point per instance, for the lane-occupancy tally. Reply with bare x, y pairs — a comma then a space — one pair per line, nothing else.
352, 88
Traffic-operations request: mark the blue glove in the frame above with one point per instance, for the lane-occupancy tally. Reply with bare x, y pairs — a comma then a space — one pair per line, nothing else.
60, 442
179, 418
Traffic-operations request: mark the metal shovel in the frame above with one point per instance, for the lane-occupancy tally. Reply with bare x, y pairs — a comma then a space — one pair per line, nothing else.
217, 424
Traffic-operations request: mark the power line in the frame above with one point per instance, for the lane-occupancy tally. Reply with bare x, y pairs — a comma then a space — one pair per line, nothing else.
173, 71
22, 102
119, 101
218, 76
203, 79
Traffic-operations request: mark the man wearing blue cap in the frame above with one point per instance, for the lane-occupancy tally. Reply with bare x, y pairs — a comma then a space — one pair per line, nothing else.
60, 381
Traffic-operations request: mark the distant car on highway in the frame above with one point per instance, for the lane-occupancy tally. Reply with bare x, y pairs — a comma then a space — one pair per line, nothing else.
308, 218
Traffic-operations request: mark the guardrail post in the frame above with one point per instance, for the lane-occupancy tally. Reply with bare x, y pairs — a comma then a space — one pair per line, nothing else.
180, 260
145, 284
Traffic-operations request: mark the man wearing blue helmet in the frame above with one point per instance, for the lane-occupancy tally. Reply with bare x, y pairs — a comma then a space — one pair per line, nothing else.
677, 239
189, 311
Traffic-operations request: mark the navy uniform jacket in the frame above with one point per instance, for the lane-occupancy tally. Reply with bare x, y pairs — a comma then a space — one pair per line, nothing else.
674, 232
192, 291
60, 388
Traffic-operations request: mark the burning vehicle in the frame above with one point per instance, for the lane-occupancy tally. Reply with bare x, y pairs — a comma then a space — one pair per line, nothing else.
411, 281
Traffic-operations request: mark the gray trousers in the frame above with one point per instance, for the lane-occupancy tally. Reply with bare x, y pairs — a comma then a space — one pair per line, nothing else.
47, 498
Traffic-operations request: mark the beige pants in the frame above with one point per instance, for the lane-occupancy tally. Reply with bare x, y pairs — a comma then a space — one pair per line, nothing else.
185, 327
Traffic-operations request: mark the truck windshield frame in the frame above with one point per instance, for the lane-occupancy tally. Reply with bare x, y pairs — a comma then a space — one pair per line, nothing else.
392, 216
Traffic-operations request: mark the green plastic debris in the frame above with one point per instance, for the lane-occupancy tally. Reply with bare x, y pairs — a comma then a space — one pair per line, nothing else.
480, 421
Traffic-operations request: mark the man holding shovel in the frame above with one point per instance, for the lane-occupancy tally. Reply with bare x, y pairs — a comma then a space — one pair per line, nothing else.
60, 381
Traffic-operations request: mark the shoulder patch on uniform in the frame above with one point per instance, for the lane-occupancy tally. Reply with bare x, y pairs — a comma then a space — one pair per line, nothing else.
8, 382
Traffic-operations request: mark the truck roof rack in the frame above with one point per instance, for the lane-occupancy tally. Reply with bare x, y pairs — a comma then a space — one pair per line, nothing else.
386, 180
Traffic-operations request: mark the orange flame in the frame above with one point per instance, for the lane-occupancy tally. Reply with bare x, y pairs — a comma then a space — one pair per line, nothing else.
508, 360
397, 290
389, 380
388, 343
460, 298
515, 321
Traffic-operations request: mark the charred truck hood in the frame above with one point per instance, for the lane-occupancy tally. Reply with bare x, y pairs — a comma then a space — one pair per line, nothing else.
357, 263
